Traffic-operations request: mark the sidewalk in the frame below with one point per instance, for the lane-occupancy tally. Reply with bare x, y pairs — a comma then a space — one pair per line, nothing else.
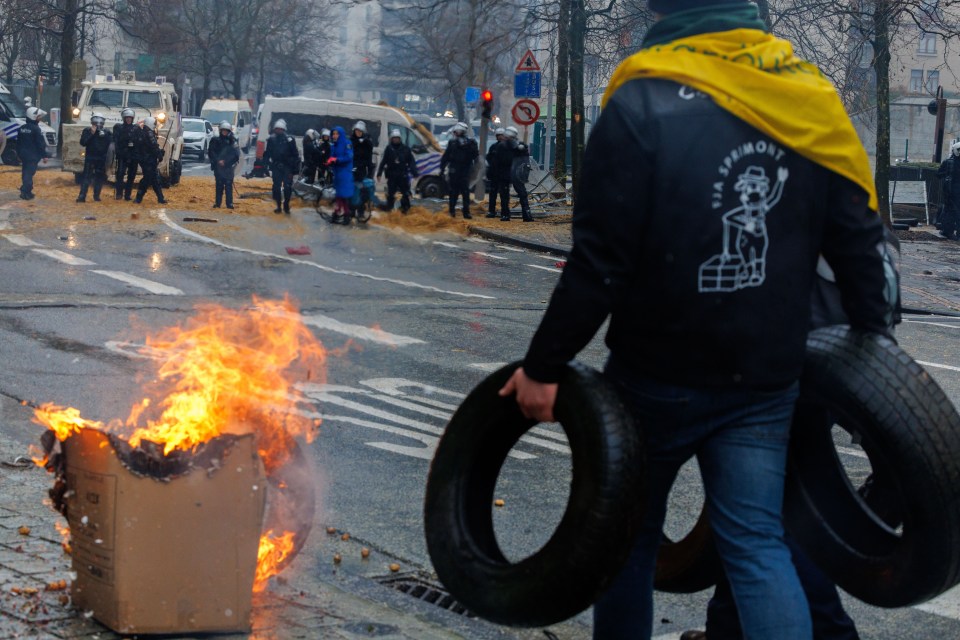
929, 270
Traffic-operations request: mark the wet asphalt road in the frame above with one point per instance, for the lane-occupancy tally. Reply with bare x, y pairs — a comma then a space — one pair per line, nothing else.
446, 311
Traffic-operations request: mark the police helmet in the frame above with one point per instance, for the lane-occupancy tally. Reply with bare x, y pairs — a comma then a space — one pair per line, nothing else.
128, 113
150, 122
34, 113
226, 126
458, 128
97, 119
511, 132
499, 132
310, 134
324, 132
360, 125
280, 124
395, 133
955, 148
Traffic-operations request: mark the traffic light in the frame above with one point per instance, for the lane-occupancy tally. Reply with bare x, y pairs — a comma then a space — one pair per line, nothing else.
486, 98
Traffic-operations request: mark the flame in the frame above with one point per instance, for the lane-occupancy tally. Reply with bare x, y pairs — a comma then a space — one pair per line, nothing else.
273, 550
64, 532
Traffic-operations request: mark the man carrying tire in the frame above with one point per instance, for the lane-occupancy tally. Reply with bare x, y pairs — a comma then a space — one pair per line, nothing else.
707, 274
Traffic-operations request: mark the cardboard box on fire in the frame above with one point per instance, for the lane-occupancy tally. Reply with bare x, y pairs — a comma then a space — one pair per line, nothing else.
164, 557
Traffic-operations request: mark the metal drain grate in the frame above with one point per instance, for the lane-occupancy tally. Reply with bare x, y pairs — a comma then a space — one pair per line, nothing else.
426, 591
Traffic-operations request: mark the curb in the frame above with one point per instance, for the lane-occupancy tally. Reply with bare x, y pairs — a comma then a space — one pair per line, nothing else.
504, 238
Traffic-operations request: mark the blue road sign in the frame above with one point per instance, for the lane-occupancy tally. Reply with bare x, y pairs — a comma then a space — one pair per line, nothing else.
471, 94
526, 84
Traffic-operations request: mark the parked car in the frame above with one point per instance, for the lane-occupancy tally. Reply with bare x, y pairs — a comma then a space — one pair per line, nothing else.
197, 134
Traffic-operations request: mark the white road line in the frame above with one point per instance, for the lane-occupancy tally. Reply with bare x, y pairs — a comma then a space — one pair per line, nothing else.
546, 257
149, 285
666, 636
356, 274
478, 240
857, 453
22, 241
489, 255
938, 366
446, 244
487, 366
359, 331
946, 605
509, 248
64, 257
553, 269
934, 324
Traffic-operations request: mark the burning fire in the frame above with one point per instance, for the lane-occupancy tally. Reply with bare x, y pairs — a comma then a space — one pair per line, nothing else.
224, 371
273, 550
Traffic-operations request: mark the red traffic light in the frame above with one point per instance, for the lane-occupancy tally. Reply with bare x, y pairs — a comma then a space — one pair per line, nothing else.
487, 95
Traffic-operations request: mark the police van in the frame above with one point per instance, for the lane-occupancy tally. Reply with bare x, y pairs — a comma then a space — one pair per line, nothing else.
237, 112
301, 114
13, 115
109, 95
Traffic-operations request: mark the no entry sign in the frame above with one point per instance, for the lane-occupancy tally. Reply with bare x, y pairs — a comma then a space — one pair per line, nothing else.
525, 112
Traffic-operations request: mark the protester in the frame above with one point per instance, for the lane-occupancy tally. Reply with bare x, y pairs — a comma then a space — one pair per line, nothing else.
149, 154
283, 158
706, 271
519, 170
32, 150
399, 164
224, 156
460, 155
96, 142
124, 139
362, 152
341, 159
949, 174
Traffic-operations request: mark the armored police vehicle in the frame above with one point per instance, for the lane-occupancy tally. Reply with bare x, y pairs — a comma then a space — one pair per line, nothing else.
110, 96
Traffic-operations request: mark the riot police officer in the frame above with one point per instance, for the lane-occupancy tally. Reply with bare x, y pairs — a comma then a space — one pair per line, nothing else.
32, 149
362, 152
148, 154
519, 169
96, 141
326, 150
311, 155
460, 154
399, 164
283, 158
224, 155
124, 138
496, 182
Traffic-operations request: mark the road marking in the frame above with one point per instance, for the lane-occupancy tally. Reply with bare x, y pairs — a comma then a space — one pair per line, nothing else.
64, 257
553, 269
489, 255
359, 331
546, 257
853, 452
946, 605
487, 366
446, 244
935, 324
322, 267
509, 248
938, 366
22, 241
149, 285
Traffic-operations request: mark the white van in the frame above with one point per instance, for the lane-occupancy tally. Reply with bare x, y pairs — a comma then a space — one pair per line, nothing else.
238, 113
13, 115
301, 114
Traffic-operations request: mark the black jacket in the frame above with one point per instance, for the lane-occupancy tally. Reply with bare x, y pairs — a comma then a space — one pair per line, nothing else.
226, 149
312, 156
147, 148
125, 140
398, 162
31, 146
282, 154
701, 289
519, 160
96, 142
500, 162
949, 174
362, 156
324, 147
460, 154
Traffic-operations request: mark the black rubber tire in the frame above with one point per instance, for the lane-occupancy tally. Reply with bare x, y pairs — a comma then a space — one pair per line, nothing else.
597, 530
690, 564
911, 434
432, 187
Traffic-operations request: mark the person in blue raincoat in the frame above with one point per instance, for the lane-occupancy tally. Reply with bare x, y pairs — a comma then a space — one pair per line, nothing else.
341, 160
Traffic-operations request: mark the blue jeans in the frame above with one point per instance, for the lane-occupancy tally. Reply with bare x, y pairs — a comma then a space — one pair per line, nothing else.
740, 440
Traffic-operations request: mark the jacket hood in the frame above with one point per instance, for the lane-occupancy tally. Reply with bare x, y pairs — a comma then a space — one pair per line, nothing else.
341, 144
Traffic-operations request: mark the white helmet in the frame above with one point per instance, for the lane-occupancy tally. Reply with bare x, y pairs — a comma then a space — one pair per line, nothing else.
955, 149
226, 125
150, 122
395, 133
128, 113
324, 132
511, 132
34, 113
499, 132
361, 125
461, 127
310, 134
97, 119
280, 124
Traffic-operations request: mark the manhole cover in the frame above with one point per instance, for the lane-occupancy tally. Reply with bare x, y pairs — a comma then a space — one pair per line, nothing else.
422, 589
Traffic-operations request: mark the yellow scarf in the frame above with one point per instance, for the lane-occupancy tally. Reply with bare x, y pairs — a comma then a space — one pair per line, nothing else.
756, 77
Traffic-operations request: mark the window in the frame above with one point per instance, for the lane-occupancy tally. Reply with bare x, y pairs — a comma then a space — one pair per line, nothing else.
916, 80
106, 98
407, 136
933, 81
927, 45
144, 99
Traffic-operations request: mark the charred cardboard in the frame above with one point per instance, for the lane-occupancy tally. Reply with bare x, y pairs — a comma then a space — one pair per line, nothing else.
170, 556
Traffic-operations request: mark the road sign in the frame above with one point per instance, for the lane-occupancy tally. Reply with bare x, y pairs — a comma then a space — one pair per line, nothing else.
526, 84
525, 112
528, 62
471, 94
